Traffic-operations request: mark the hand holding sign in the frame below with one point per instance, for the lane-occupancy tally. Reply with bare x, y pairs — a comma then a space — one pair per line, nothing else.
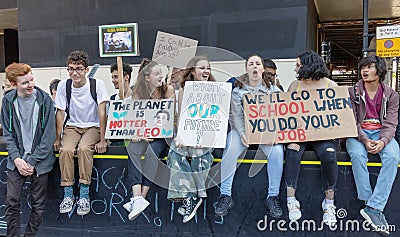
203, 121
299, 116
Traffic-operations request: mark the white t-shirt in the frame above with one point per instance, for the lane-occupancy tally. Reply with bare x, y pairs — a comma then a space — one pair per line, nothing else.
82, 108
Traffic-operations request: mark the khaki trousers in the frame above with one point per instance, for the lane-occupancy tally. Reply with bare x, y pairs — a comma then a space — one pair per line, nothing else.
82, 140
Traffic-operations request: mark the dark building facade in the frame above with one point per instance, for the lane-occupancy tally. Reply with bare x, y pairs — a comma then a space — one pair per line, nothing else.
49, 30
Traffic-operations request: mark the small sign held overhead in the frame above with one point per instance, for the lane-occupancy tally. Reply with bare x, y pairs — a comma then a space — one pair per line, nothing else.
118, 40
173, 50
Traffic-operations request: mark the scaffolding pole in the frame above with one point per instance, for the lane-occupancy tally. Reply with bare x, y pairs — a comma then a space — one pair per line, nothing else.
365, 28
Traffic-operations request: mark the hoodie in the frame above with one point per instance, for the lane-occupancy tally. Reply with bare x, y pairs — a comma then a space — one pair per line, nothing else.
388, 113
42, 154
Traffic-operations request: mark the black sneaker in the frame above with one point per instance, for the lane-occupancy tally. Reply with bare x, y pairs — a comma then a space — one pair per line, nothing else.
273, 206
191, 204
376, 218
223, 205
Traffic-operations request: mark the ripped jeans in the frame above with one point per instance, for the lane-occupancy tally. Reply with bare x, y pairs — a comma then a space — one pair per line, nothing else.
325, 151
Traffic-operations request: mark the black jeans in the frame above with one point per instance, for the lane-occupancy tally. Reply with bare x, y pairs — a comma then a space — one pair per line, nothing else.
325, 151
38, 192
144, 171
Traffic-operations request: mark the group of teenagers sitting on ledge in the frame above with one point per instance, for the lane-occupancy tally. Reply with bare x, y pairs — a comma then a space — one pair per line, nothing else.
33, 132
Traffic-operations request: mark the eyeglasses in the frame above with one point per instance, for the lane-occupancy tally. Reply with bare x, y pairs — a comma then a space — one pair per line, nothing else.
78, 70
272, 74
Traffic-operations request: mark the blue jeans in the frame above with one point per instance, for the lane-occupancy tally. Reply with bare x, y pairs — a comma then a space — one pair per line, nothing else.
234, 148
359, 157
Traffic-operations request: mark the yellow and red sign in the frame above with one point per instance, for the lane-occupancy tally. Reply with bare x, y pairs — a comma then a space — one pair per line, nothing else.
388, 41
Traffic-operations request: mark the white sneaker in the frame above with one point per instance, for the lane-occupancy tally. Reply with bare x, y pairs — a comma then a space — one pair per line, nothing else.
182, 209
128, 205
139, 204
294, 210
329, 217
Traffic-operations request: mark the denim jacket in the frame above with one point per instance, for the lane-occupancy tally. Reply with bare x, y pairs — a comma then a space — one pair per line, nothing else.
237, 113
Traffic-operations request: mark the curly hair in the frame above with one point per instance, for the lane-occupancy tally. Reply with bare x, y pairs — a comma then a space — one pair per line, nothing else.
15, 70
380, 65
244, 79
312, 66
190, 67
141, 89
78, 57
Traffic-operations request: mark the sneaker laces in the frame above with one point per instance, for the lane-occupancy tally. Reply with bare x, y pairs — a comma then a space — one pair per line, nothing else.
222, 201
330, 210
275, 202
186, 202
83, 202
382, 218
293, 205
66, 201
187, 205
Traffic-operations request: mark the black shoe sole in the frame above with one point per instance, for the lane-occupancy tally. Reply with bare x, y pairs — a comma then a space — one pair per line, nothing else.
269, 213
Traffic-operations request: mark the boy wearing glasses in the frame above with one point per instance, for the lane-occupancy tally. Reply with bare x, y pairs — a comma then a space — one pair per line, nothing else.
83, 132
270, 69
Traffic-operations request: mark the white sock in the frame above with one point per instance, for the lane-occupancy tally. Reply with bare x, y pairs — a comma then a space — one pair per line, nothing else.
136, 198
329, 201
291, 199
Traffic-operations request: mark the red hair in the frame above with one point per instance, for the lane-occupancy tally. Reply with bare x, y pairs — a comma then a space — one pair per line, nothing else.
15, 70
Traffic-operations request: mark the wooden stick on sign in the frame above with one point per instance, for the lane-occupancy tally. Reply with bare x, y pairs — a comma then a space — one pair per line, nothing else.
120, 78
169, 74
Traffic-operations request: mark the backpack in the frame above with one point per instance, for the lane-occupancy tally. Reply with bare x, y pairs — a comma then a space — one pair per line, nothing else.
113, 97
68, 88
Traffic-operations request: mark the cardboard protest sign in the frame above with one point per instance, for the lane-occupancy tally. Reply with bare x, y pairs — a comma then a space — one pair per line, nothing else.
118, 40
173, 50
299, 116
141, 118
204, 114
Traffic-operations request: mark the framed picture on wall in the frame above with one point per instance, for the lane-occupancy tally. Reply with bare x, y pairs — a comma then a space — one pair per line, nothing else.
118, 40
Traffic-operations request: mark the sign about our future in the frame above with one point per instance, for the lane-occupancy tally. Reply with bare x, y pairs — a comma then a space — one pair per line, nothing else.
204, 114
299, 116
140, 118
